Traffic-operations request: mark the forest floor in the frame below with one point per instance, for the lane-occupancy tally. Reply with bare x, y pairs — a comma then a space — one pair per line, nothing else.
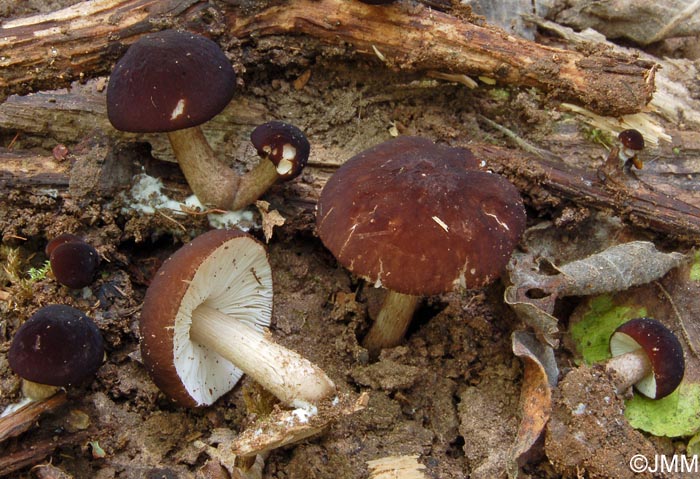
449, 395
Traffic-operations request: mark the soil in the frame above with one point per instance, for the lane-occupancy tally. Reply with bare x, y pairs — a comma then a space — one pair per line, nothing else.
450, 394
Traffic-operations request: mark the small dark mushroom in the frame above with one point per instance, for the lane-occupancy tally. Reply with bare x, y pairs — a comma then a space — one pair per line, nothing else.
58, 346
74, 262
284, 151
646, 355
632, 143
418, 219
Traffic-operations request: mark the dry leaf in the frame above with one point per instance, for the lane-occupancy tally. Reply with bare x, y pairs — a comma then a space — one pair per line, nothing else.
539, 377
617, 268
270, 219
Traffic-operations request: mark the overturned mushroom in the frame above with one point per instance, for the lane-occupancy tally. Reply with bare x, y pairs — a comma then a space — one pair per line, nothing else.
646, 355
418, 219
203, 325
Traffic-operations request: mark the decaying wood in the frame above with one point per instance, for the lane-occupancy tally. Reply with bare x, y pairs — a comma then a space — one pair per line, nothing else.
546, 183
83, 41
24, 418
26, 169
32, 453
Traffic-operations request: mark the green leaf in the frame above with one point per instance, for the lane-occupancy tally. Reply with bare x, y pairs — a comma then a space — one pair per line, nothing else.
695, 267
676, 415
592, 334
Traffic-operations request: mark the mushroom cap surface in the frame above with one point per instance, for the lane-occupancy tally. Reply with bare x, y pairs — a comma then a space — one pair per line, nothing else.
169, 81
284, 145
61, 239
74, 263
419, 218
631, 139
229, 271
661, 346
57, 346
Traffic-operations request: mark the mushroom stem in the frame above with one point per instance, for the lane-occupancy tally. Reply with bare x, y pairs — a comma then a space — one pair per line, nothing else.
286, 374
37, 391
628, 369
212, 182
391, 323
254, 184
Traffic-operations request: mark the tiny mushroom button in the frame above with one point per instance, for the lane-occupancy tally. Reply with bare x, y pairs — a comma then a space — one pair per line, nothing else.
74, 262
646, 355
57, 347
284, 151
418, 219
203, 325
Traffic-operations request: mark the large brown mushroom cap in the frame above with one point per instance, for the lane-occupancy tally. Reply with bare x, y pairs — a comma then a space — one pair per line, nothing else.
169, 81
419, 218
205, 271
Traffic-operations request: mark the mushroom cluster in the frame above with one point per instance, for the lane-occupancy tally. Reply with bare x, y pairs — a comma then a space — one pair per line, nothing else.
418, 219
173, 82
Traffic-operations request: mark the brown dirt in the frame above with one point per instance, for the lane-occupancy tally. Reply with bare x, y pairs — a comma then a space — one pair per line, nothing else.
450, 394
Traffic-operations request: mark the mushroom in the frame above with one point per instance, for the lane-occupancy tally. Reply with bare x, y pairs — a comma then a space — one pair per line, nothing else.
74, 262
621, 158
173, 82
203, 325
632, 143
284, 150
418, 219
646, 355
58, 346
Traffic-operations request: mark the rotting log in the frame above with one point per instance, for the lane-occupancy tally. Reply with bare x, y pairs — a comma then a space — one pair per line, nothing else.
83, 41
546, 183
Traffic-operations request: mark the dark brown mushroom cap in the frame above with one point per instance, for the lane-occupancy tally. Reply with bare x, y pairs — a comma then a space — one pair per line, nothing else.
61, 239
57, 346
168, 81
631, 139
192, 275
663, 349
419, 219
284, 145
74, 263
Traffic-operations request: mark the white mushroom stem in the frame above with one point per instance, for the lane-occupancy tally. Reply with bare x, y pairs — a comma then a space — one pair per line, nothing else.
286, 374
391, 323
628, 369
212, 182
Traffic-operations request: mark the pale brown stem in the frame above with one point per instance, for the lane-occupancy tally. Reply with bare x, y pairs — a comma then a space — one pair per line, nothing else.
212, 182
628, 369
255, 183
283, 372
391, 323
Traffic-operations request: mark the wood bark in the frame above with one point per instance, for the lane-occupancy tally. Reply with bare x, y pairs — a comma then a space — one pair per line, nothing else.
83, 41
